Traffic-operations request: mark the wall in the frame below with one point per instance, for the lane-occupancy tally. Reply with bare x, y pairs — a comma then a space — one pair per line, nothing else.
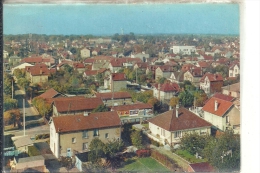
39, 79
217, 121
110, 102
66, 139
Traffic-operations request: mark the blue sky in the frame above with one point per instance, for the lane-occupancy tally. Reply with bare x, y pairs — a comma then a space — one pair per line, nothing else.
82, 19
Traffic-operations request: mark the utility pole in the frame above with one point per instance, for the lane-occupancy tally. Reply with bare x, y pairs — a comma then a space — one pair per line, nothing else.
12, 88
23, 117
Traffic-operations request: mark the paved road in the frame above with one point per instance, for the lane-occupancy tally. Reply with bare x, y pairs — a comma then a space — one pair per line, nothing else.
43, 129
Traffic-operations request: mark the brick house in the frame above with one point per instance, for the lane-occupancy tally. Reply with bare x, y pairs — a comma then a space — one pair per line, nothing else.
70, 135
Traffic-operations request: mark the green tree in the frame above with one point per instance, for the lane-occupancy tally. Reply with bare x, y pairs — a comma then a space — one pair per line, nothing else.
186, 98
162, 80
12, 117
19, 73
101, 108
112, 147
24, 83
136, 138
96, 152
216, 152
42, 106
7, 84
9, 103
174, 101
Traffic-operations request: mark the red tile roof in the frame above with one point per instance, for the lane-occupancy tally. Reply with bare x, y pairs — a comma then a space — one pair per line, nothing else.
37, 70
92, 121
91, 72
118, 76
50, 93
166, 68
116, 95
212, 77
168, 87
202, 167
185, 120
224, 97
67, 104
132, 107
222, 108
78, 65
203, 64
32, 59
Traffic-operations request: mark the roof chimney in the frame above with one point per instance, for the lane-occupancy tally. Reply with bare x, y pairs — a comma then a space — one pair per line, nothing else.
216, 105
177, 112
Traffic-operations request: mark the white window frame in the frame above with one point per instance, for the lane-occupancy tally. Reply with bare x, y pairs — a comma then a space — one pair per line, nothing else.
95, 132
74, 140
178, 134
85, 134
106, 135
84, 146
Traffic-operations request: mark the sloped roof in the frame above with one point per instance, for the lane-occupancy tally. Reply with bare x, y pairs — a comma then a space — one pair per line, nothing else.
212, 77
234, 87
118, 76
168, 87
116, 95
38, 70
50, 93
80, 122
224, 97
202, 167
132, 107
185, 120
222, 108
67, 104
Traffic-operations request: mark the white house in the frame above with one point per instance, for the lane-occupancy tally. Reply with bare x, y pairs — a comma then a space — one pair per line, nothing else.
234, 70
185, 50
165, 91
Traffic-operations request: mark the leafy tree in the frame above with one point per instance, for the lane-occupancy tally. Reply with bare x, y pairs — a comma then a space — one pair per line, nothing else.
12, 117
223, 70
9, 103
201, 97
112, 147
217, 147
96, 150
101, 108
24, 83
73, 50
7, 84
154, 102
42, 106
186, 98
68, 69
174, 101
193, 143
19, 73
136, 138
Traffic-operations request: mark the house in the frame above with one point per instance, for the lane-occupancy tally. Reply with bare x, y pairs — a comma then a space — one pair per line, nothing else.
203, 65
140, 65
5, 54
176, 77
170, 126
74, 105
136, 112
200, 167
80, 67
70, 135
185, 50
38, 73
163, 71
164, 92
51, 93
211, 83
141, 56
117, 63
115, 98
193, 75
29, 164
85, 53
21, 66
22, 143
232, 90
115, 82
234, 70
14, 59
221, 113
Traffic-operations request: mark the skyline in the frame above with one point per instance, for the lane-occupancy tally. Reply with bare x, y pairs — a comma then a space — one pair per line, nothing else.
91, 19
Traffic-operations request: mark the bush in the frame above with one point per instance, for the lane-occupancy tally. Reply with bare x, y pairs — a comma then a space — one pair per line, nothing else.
155, 143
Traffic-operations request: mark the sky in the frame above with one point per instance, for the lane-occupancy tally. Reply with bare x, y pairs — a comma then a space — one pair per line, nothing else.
98, 19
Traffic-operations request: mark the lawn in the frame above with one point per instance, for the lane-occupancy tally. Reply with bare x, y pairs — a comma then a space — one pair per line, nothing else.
187, 156
147, 164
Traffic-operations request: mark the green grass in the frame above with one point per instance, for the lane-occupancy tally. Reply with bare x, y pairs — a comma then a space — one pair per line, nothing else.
147, 164
187, 156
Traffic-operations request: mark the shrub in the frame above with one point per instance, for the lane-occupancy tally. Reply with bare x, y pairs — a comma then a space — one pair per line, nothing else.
155, 143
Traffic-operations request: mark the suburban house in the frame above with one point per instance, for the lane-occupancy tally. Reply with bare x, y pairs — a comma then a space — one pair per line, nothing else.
164, 92
38, 73
221, 113
163, 71
80, 67
141, 56
117, 63
74, 105
70, 135
193, 75
170, 126
115, 98
211, 83
234, 70
21, 66
136, 112
176, 77
185, 50
115, 82
140, 65
14, 59
85, 53
232, 90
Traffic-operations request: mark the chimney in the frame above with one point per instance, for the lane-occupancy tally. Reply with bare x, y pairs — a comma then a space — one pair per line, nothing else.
216, 105
177, 112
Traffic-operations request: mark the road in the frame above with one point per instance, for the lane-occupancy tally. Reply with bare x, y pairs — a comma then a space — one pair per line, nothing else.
31, 117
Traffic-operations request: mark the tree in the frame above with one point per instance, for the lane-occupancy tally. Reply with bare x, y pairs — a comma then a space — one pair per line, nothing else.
42, 106
9, 103
73, 50
193, 143
19, 73
7, 84
112, 147
218, 152
12, 117
136, 138
186, 98
101, 108
24, 83
174, 101
96, 150
201, 97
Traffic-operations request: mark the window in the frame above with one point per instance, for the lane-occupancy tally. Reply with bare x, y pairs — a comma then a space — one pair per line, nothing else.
85, 134
95, 132
227, 119
73, 140
106, 135
85, 146
203, 131
177, 134
163, 132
